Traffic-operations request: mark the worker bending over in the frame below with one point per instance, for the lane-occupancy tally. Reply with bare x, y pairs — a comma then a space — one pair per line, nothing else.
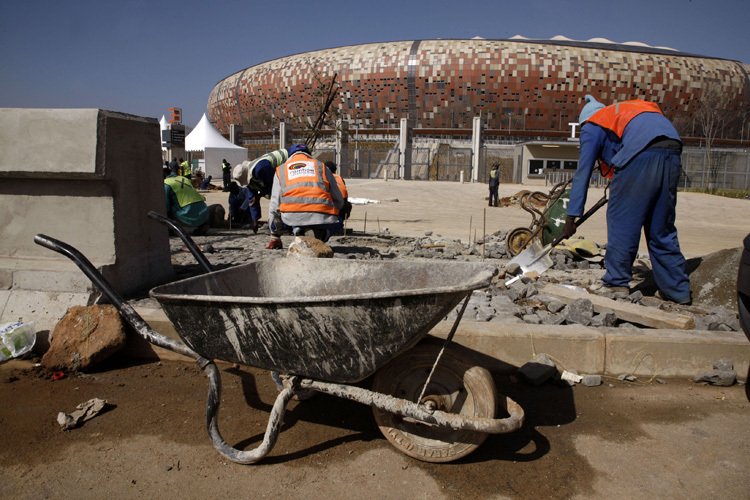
640, 149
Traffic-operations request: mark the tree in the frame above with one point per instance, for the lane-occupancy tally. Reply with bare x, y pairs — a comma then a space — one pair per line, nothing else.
712, 115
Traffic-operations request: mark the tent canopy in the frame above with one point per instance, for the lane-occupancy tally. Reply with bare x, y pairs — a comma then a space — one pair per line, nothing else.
215, 147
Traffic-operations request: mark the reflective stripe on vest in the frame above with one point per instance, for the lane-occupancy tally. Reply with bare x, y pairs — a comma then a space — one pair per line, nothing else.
275, 158
342, 186
304, 187
616, 117
184, 191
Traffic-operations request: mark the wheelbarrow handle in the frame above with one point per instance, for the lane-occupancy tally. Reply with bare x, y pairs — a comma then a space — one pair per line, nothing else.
599, 204
125, 309
199, 256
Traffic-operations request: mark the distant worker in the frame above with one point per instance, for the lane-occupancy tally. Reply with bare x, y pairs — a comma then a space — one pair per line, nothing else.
346, 210
185, 205
165, 169
174, 166
226, 174
205, 183
185, 170
304, 196
639, 148
494, 184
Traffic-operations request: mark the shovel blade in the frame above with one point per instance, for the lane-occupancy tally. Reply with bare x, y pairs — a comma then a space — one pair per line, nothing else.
534, 258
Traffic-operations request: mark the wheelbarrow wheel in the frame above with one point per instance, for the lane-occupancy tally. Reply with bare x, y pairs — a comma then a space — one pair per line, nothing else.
457, 386
517, 240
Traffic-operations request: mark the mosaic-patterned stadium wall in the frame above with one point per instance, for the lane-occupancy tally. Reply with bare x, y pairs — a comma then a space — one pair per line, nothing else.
538, 86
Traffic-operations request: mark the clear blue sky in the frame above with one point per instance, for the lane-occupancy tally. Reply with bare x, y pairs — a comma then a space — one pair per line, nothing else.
143, 57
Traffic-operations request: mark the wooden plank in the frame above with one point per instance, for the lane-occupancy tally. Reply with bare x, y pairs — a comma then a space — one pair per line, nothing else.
626, 311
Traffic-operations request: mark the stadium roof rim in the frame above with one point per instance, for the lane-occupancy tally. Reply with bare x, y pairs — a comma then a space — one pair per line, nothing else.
644, 49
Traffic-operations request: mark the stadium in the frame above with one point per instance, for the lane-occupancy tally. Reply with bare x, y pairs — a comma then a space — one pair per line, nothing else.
523, 91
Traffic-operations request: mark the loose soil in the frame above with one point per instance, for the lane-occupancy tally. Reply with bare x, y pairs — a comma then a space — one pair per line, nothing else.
644, 439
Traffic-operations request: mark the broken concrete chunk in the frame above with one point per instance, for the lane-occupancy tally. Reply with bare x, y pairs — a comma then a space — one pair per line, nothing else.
604, 319
306, 246
571, 377
580, 312
721, 378
627, 377
538, 370
555, 306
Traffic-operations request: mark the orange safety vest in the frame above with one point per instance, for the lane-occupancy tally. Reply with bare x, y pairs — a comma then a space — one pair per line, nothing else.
341, 185
616, 117
304, 187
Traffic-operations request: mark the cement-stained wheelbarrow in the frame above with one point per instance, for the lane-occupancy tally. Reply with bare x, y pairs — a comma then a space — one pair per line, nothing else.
326, 324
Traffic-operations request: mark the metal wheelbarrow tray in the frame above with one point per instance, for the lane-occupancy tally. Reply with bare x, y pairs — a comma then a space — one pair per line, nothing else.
324, 323
328, 319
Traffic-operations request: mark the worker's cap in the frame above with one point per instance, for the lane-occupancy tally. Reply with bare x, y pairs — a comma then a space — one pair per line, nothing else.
297, 148
591, 107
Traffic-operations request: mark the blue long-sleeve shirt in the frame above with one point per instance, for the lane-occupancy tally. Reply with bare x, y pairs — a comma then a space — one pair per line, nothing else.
597, 142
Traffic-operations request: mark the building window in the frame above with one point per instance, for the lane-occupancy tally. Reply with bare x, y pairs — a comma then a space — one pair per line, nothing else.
536, 167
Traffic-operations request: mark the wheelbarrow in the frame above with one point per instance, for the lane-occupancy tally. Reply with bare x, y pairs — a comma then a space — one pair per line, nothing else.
324, 325
546, 224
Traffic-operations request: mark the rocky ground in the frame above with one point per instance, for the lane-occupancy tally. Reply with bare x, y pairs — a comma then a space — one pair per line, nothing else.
713, 277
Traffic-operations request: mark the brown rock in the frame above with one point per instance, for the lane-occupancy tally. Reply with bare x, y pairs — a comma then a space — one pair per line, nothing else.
84, 337
305, 246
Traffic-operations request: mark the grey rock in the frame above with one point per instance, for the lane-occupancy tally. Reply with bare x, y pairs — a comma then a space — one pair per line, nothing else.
513, 269
538, 370
530, 290
553, 319
555, 306
532, 319
580, 312
722, 378
635, 296
604, 320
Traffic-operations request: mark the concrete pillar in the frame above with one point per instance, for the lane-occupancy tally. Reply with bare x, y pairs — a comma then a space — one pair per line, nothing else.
404, 144
87, 177
285, 135
476, 147
235, 134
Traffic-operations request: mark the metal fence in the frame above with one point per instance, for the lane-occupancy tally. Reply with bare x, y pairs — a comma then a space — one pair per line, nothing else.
727, 169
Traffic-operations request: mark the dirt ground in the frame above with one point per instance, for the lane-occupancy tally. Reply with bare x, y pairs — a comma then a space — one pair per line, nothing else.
616, 441
627, 440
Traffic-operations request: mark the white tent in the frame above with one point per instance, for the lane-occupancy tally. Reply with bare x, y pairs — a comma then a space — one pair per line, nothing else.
206, 138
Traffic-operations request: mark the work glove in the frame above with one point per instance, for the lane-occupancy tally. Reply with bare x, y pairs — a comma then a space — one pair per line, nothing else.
570, 227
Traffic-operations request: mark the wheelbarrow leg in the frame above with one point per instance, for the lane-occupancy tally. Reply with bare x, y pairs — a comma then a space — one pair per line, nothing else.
212, 410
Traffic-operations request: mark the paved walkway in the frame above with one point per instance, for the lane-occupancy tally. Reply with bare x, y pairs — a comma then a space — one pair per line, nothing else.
705, 223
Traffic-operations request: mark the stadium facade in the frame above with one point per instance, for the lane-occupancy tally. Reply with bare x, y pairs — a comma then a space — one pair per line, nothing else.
531, 85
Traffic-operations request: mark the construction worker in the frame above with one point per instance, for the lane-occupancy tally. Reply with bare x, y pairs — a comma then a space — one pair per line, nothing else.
346, 210
226, 174
304, 196
640, 149
185, 169
258, 175
185, 205
494, 184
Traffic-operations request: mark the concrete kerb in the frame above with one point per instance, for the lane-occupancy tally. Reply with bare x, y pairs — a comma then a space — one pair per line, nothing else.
595, 351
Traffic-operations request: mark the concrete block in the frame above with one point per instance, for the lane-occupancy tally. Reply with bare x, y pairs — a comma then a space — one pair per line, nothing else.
43, 142
513, 344
672, 353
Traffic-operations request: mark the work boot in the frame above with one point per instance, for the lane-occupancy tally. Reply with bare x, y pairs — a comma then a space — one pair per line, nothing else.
275, 244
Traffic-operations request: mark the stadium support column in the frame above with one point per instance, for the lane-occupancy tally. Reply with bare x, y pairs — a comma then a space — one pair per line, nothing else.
476, 147
235, 134
342, 148
405, 150
285, 135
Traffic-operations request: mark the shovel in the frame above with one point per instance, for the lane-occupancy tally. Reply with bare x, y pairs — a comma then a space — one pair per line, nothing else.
535, 258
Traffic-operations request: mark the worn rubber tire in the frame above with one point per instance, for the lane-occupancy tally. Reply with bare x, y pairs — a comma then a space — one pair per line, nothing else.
460, 386
517, 240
